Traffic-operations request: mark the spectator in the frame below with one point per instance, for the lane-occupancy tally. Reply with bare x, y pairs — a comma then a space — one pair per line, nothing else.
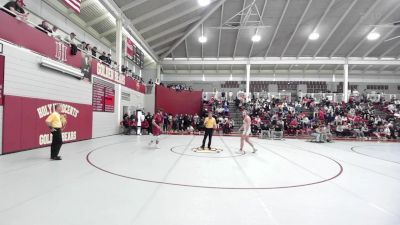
44, 27
108, 59
72, 41
16, 9
82, 46
94, 51
56, 33
103, 57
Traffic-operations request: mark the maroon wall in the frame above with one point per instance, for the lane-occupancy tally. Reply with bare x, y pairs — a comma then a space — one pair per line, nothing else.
24, 124
20, 33
45, 45
185, 102
1, 79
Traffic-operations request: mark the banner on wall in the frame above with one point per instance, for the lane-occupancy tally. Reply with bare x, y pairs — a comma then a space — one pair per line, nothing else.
103, 98
86, 66
130, 49
24, 124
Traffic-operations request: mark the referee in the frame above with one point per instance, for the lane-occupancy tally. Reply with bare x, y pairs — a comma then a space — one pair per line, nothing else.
210, 124
54, 122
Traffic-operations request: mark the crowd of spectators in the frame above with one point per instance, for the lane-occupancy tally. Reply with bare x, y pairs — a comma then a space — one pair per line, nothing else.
360, 117
178, 124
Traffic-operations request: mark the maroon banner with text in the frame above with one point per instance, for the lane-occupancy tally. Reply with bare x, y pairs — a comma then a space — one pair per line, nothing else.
20, 33
2, 61
173, 102
130, 49
104, 71
24, 124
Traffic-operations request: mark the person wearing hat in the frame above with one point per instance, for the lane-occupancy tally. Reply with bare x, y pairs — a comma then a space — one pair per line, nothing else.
16, 8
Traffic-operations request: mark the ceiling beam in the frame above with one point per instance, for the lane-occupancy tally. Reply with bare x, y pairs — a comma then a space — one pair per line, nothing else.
105, 34
390, 49
220, 30
132, 4
387, 15
382, 39
172, 29
297, 27
77, 21
162, 50
282, 61
315, 28
356, 26
262, 15
186, 50
165, 41
97, 20
114, 9
157, 11
87, 3
238, 31
191, 30
332, 2
333, 30
169, 19
277, 27
383, 19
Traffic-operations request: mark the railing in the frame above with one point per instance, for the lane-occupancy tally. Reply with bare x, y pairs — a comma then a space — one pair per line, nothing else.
58, 50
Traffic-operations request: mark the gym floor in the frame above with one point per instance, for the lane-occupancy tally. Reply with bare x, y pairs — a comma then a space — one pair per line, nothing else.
120, 180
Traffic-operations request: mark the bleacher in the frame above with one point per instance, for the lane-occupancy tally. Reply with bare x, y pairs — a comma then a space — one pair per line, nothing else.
230, 84
312, 86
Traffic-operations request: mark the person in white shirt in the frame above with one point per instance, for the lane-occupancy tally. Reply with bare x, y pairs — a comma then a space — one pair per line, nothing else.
140, 119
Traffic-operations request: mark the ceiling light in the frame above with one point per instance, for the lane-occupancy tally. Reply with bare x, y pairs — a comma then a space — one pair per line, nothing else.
256, 38
202, 39
373, 36
204, 2
314, 36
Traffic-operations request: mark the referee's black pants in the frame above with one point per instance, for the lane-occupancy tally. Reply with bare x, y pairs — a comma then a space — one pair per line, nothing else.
208, 133
56, 143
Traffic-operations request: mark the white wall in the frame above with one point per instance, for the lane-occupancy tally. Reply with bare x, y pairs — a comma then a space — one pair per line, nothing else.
372, 78
24, 77
136, 100
150, 102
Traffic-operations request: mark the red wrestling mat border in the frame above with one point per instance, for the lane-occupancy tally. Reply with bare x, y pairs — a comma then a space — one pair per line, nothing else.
340, 171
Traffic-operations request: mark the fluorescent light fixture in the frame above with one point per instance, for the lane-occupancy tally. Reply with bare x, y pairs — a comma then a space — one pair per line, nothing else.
204, 78
61, 67
256, 38
373, 36
231, 77
202, 39
204, 2
313, 36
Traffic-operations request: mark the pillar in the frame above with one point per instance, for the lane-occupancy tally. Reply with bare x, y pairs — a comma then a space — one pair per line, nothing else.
248, 97
118, 44
346, 82
158, 78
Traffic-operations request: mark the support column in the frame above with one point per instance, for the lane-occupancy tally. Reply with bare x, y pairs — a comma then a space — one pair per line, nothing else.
118, 45
346, 82
158, 78
248, 97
